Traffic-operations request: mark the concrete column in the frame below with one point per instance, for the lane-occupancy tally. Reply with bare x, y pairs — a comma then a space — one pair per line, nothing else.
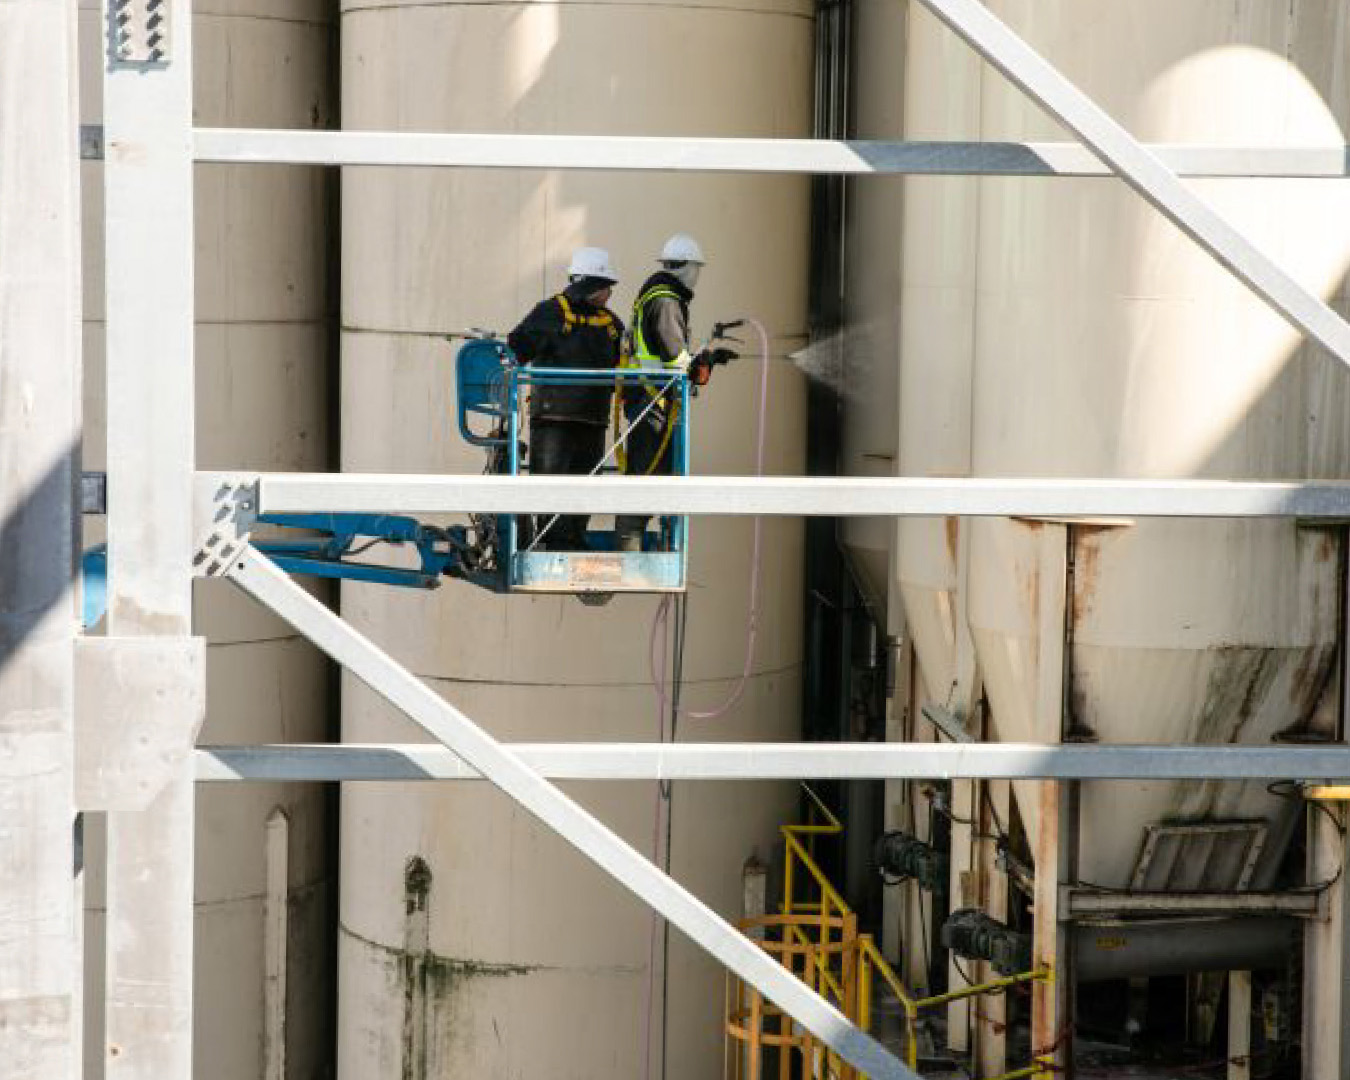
39, 462
148, 195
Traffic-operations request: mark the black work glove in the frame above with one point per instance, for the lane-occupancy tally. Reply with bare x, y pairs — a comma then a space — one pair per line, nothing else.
700, 371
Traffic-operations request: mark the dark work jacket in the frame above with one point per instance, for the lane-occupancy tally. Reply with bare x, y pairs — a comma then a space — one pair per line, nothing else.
547, 338
665, 324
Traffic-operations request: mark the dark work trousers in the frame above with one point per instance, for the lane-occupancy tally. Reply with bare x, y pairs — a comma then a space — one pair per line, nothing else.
643, 445
569, 447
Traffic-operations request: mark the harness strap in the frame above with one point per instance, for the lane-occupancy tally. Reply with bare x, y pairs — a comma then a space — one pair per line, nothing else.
571, 319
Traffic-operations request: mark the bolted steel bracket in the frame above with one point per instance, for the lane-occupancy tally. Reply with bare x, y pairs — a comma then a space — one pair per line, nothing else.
139, 32
225, 515
139, 703
94, 493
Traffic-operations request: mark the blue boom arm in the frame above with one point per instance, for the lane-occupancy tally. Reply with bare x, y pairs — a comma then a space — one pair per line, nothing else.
442, 552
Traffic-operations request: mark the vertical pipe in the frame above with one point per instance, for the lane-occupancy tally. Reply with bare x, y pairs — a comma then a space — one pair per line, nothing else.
39, 453
276, 931
147, 180
1326, 943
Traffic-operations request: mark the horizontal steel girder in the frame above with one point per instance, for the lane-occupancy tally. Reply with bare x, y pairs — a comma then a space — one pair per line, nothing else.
653, 154
784, 761
1325, 501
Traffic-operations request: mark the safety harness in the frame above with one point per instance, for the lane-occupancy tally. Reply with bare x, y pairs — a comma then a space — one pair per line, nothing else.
571, 319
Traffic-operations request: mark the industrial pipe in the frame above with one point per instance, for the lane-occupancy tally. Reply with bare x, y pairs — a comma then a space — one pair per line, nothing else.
1119, 950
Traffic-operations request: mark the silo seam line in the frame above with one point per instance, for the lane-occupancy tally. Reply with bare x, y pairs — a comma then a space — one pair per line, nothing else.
765, 674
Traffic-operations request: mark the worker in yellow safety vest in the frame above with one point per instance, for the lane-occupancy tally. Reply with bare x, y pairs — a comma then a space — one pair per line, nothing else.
659, 339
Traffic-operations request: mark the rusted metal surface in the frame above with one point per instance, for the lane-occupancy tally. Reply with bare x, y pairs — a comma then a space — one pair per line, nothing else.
991, 1013
1052, 1000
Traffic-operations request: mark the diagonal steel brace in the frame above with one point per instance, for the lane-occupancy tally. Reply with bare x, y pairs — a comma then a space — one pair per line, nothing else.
257, 576
1143, 170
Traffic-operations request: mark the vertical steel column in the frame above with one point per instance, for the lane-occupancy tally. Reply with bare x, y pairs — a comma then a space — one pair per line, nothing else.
897, 703
1326, 942
39, 471
1239, 1025
1056, 837
965, 793
1326, 954
147, 92
990, 1052
960, 883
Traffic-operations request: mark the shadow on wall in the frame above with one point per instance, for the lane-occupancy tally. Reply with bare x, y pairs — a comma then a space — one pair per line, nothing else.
34, 527
1171, 342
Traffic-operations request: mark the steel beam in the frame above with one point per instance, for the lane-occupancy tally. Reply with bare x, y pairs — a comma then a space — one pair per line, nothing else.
1099, 904
783, 495
147, 180
780, 761
949, 725
818, 156
1326, 953
40, 954
259, 577
1055, 841
1144, 171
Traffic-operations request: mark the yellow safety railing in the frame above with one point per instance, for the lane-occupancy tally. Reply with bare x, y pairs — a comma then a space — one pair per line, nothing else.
816, 937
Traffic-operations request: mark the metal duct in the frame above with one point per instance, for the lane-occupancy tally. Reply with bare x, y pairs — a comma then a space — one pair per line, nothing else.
1120, 950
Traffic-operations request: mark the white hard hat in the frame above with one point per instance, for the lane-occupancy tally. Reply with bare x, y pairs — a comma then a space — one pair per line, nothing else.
592, 262
682, 248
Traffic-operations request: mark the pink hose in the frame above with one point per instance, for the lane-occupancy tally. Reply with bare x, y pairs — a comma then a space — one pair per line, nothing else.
752, 615
657, 659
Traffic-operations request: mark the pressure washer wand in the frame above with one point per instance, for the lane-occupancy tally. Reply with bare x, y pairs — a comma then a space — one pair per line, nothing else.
719, 331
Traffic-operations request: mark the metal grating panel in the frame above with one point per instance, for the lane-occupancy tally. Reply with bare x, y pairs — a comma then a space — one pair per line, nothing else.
1204, 856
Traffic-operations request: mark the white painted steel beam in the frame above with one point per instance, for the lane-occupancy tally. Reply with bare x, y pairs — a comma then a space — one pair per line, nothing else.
791, 495
664, 154
782, 761
147, 181
40, 950
259, 577
1144, 171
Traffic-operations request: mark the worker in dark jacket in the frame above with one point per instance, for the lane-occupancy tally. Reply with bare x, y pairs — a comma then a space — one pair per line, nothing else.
573, 329
659, 339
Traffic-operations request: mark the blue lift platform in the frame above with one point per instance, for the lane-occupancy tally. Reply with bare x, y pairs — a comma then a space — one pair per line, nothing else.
500, 552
